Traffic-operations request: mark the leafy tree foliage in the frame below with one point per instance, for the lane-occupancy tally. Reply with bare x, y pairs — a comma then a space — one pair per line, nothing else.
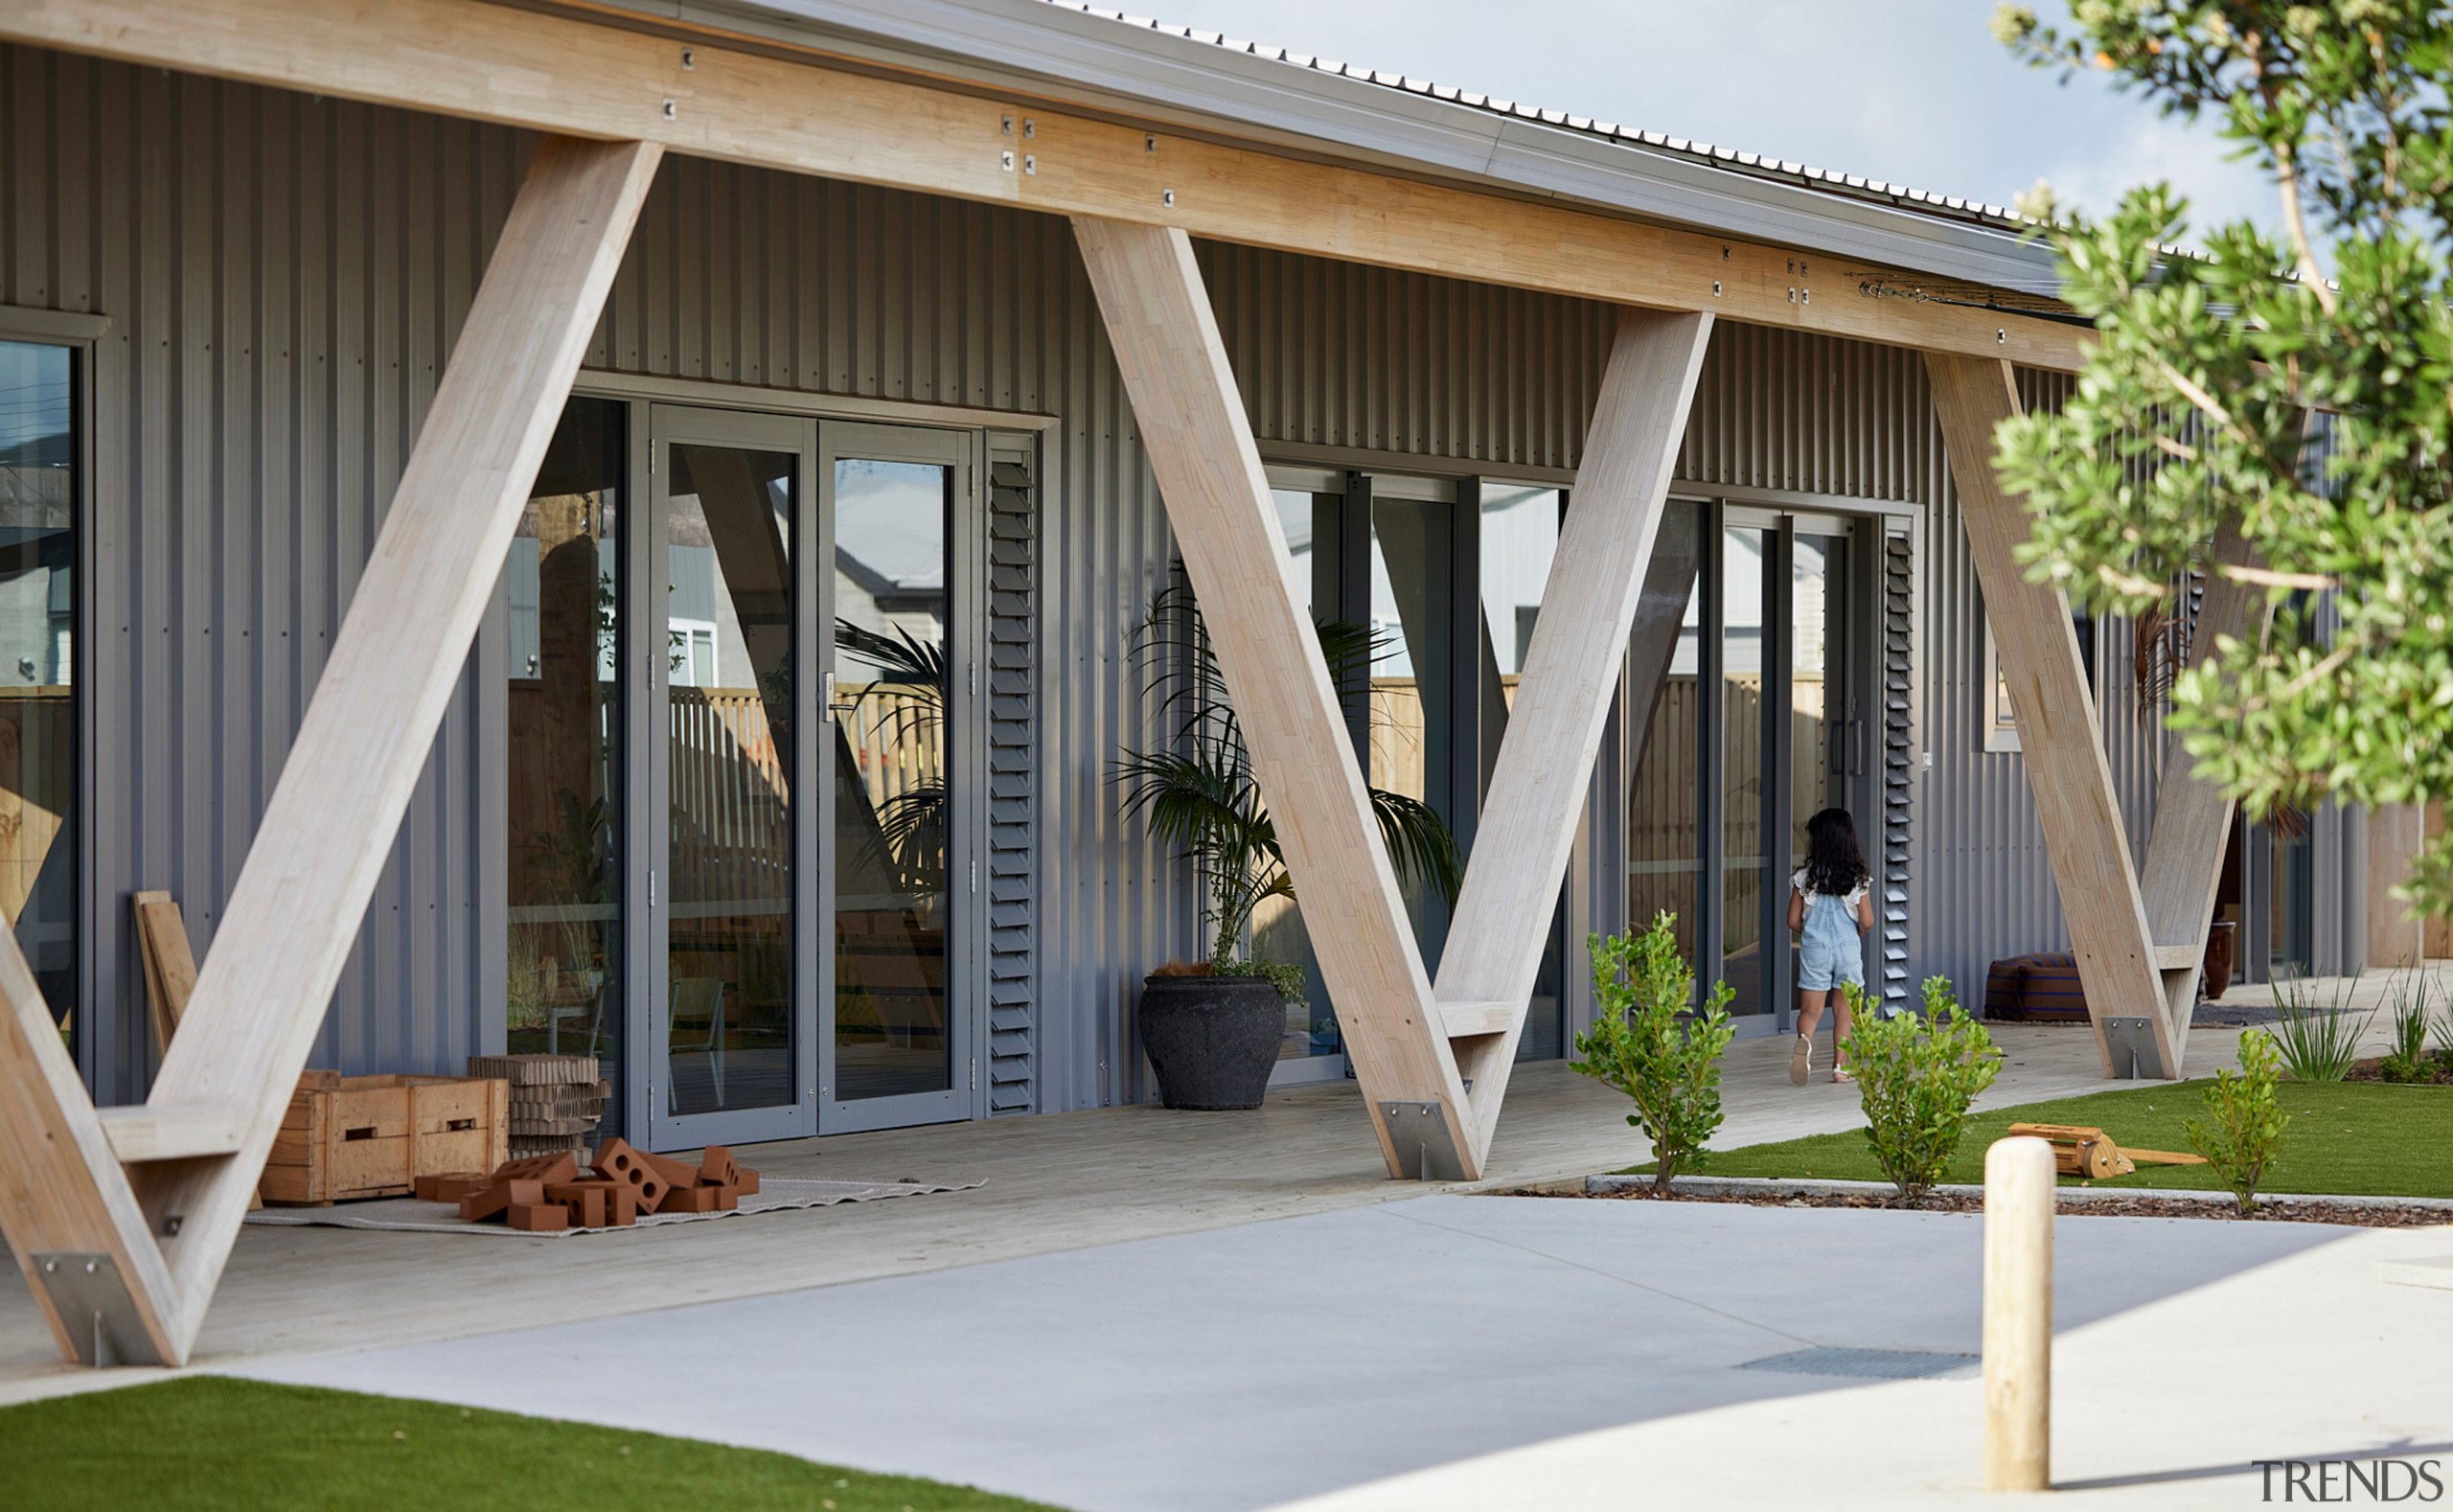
2196, 404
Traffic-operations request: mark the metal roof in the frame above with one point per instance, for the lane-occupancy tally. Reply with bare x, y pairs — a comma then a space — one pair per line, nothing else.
1068, 51
1905, 197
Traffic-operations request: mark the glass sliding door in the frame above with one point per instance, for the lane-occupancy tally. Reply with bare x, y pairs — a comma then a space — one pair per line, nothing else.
1665, 735
1413, 674
1740, 724
41, 450
1740, 776
738, 1064
565, 967
1310, 515
1517, 542
902, 876
1820, 719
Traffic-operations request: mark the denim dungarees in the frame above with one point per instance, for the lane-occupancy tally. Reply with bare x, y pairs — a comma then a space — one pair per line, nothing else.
1829, 946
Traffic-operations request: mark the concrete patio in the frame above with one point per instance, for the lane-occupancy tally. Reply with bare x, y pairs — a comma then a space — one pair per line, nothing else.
1471, 1353
1053, 1183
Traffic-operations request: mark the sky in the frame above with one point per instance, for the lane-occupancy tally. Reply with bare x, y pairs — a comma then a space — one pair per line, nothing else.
1913, 91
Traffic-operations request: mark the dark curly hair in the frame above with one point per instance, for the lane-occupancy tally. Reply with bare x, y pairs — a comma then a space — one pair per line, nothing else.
1834, 865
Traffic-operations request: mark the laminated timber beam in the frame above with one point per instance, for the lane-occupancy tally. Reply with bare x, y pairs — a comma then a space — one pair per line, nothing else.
157, 1233
1201, 450
1571, 678
1434, 1114
767, 106
2139, 947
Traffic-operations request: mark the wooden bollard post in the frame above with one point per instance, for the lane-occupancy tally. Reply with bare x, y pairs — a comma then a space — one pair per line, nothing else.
2018, 1314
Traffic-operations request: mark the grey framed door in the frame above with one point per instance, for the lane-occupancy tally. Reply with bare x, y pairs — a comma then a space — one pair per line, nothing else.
729, 990
1747, 673
899, 802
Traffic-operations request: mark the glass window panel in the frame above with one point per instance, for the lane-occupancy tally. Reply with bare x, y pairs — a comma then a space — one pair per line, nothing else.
1276, 931
1664, 833
728, 652
562, 988
1741, 772
891, 834
1413, 682
38, 506
1520, 538
1815, 589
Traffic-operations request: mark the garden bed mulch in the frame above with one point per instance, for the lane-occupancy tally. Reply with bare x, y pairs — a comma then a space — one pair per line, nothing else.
2367, 1213
2372, 1069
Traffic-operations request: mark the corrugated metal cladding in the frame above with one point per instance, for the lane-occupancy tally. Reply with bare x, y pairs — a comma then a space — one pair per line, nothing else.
285, 275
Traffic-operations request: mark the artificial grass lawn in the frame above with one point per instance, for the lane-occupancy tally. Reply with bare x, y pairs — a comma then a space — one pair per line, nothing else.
2355, 1138
213, 1442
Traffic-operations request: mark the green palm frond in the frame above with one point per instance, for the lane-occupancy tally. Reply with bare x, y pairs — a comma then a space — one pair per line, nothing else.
1201, 797
1420, 844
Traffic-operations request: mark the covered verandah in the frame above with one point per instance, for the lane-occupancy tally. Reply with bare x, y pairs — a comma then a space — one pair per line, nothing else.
1060, 1182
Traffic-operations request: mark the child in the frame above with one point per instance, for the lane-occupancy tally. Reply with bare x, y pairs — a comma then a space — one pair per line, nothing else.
1825, 898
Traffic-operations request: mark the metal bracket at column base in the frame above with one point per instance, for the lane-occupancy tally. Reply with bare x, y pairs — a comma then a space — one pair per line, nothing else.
2130, 1042
91, 1298
1419, 1136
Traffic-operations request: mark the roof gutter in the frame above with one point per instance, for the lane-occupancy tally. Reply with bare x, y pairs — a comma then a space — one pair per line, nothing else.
1066, 54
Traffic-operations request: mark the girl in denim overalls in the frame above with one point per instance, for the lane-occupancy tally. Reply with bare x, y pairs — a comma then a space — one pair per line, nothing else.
1830, 911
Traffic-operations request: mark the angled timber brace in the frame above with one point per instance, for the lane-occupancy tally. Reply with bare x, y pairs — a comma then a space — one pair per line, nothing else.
124, 1218
1432, 1060
2141, 943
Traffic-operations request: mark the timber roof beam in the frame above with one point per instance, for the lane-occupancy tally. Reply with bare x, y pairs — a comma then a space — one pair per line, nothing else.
737, 101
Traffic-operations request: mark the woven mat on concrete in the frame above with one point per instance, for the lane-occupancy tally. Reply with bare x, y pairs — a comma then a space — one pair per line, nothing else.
776, 1193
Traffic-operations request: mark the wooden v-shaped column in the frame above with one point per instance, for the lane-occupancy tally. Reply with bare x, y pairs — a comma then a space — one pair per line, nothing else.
1528, 822
124, 1260
1201, 449
2139, 947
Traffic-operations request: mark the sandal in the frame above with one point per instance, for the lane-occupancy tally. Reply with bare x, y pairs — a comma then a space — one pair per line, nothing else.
1841, 1076
1798, 1058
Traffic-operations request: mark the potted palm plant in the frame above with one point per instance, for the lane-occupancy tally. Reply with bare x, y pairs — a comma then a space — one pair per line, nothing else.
1213, 1028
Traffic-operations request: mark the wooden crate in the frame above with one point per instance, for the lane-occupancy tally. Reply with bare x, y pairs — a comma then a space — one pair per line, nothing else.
353, 1137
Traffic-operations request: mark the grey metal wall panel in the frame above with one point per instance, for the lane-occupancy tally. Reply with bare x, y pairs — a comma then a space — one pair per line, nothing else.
285, 275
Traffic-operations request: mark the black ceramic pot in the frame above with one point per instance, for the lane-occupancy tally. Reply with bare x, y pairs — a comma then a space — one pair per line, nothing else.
1212, 1040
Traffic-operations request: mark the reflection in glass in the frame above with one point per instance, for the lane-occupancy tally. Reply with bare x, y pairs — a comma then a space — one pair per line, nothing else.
890, 841
561, 992
1814, 588
1413, 682
1741, 774
39, 502
729, 665
1277, 931
1519, 538
1664, 711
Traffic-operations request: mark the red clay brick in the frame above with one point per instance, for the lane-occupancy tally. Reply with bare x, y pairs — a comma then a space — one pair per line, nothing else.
539, 1218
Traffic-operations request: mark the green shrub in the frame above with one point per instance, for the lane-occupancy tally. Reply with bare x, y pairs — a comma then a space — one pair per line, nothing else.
2409, 1061
2317, 1045
2445, 1044
1647, 1043
1917, 1076
2244, 1123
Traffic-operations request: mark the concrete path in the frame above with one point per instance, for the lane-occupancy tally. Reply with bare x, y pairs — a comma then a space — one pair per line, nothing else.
1491, 1352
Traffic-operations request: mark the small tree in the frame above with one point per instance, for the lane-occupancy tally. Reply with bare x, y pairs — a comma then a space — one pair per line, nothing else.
1916, 1078
1647, 1044
2242, 1129
2193, 412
